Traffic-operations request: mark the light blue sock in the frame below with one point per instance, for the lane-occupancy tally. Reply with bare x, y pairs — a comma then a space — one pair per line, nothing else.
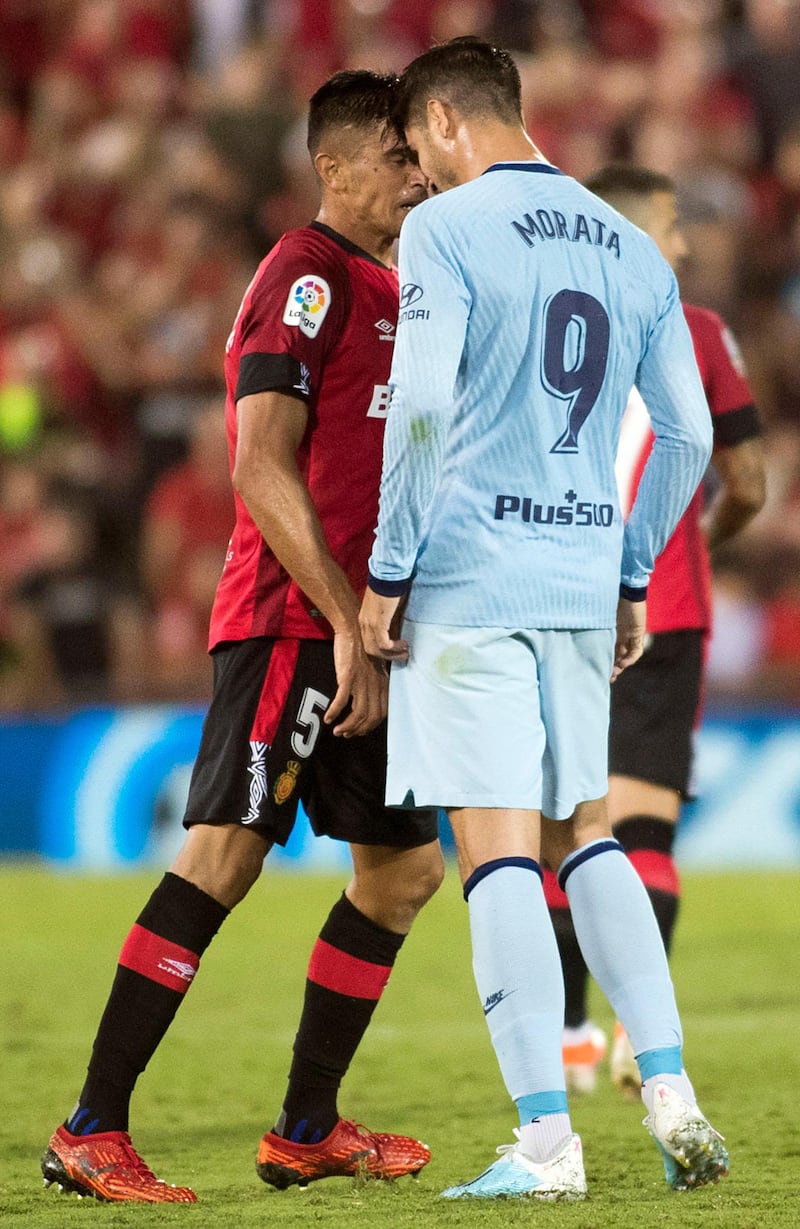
620, 940
518, 975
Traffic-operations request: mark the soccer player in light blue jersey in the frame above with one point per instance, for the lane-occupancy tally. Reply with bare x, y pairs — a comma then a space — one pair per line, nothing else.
529, 308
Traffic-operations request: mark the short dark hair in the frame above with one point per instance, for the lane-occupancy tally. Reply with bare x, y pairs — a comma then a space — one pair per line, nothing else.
356, 99
622, 179
478, 79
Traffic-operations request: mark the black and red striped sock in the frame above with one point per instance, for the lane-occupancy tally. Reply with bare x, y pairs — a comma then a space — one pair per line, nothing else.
347, 973
573, 965
648, 841
156, 966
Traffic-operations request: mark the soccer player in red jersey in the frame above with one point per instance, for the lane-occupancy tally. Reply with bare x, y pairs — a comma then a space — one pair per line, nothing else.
655, 705
298, 708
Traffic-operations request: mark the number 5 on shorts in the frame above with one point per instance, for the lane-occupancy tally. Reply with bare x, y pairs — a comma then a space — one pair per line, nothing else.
312, 705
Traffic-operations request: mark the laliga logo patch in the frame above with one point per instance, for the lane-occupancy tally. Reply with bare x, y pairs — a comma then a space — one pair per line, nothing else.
307, 304
734, 353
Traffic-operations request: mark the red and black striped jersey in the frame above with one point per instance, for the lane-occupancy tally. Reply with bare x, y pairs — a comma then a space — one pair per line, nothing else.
679, 594
317, 322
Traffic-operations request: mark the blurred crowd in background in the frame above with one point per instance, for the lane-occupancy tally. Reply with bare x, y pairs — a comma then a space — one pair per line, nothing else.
151, 151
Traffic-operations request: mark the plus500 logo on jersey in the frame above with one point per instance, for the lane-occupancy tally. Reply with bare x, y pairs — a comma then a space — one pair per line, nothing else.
307, 304
409, 295
522, 507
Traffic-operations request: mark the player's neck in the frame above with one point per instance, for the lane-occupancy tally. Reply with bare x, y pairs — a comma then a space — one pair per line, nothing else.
487, 144
358, 232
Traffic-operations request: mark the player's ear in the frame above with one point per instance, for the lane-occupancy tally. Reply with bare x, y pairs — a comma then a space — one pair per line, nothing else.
329, 170
441, 120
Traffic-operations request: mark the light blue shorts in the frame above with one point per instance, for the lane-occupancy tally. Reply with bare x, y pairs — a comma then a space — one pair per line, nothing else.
493, 717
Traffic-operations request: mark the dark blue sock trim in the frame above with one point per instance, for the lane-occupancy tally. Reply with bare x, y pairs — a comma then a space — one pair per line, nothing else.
480, 872
583, 855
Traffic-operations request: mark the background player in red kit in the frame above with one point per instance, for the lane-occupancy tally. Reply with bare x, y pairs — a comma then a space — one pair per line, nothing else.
298, 709
655, 705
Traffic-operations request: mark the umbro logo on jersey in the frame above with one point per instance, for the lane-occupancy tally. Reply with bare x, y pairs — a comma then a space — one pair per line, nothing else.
386, 329
177, 968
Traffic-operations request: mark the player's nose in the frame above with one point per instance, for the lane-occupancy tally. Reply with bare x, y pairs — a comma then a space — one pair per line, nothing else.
681, 246
416, 179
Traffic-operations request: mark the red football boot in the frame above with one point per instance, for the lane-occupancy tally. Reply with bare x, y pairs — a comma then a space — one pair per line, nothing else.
349, 1151
107, 1167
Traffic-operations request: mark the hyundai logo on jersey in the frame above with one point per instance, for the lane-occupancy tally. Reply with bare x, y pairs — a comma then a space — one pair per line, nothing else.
410, 294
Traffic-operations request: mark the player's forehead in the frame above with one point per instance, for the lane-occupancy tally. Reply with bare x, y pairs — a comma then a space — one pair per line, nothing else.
384, 145
414, 136
395, 146
370, 140
664, 204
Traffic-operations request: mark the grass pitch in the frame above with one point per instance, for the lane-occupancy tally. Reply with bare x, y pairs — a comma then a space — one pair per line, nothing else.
426, 1066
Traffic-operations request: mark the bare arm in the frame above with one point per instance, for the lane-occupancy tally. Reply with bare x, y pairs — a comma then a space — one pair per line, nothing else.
380, 621
271, 428
629, 645
32, 678
742, 493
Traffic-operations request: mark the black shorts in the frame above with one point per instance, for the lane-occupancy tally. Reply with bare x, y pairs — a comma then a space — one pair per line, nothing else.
265, 747
655, 707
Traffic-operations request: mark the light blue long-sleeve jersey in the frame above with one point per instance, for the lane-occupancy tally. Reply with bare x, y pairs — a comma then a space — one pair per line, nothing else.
529, 308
